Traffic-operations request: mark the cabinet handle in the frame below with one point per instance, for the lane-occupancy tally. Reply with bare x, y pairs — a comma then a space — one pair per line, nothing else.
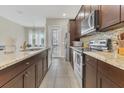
27, 63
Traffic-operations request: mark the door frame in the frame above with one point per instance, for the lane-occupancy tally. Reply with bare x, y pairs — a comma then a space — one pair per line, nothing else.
49, 35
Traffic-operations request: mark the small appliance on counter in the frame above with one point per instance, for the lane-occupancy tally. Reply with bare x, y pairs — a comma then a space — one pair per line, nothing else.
77, 44
101, 45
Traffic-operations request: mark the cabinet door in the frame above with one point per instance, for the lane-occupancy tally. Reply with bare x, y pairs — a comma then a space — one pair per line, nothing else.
17, 82
29, 77
110, 15
72, 31
45, 65
95, 7
104, 82
78, 25
71, 58
39, 72
87, 10
82, 13
122, 12
90, 79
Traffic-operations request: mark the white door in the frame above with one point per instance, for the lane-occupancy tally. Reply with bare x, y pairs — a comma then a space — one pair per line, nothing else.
56, 41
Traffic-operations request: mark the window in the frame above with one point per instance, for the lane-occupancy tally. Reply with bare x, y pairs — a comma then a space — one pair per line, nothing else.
36, 38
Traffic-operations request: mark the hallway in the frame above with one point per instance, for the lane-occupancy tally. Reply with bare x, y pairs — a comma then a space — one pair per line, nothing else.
60, 75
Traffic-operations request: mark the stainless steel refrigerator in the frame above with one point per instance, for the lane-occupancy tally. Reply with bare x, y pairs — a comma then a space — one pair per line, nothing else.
67, 45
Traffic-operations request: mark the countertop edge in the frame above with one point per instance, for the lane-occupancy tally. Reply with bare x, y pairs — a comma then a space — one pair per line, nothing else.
24, 58
105, 60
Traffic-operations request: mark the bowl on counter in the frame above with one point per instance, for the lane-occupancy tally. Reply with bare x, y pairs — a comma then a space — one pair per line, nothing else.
77, 43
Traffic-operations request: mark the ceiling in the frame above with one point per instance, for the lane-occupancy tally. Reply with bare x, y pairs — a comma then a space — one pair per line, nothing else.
35, 15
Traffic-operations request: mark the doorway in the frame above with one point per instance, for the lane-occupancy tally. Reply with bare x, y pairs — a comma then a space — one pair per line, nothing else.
56, 41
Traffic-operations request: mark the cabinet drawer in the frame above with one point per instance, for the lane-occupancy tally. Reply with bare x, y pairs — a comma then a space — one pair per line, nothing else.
111, 72
90, 60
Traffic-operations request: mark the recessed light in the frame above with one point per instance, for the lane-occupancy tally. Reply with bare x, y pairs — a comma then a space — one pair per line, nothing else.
64, 14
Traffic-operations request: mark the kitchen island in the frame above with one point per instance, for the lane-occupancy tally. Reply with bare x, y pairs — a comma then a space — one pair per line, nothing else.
25, 69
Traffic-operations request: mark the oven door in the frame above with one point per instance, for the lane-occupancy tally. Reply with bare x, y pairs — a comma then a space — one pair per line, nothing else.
78, 63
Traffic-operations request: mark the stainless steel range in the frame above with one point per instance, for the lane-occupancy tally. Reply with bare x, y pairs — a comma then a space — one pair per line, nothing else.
79, 64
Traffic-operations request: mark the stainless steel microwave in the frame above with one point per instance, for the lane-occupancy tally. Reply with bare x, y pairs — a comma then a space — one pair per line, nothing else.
91, 23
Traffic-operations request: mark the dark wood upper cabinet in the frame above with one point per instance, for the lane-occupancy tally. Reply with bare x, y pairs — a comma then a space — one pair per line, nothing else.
122, 13
95, 7
72, 31
110, 15
87, 10
82, 13
78, 25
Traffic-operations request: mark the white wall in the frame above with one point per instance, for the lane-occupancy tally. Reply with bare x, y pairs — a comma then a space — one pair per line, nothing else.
11, 33
64, 26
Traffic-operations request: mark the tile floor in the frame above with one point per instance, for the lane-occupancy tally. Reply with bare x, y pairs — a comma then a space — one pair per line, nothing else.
60, 75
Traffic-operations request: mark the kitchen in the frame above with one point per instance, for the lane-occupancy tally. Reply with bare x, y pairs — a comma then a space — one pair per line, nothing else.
78, 46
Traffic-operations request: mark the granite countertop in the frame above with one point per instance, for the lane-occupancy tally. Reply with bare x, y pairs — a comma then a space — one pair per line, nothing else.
7, 60
108, 57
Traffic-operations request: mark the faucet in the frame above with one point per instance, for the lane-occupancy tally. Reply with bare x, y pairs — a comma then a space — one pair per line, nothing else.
24, 45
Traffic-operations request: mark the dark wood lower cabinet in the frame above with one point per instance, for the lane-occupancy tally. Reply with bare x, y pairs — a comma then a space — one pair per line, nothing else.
29, 77
104, 82
91, 72
100, 74
41, 67
16, 82
26, 74
91, 77
45, 65
39, 73
71, 57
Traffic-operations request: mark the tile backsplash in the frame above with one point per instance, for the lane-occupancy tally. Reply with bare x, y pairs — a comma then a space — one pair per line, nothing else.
111, 34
